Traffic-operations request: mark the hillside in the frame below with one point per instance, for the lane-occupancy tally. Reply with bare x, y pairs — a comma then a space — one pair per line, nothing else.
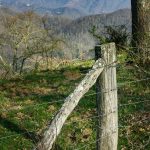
28, 103
83, 24
70, 8
75, 33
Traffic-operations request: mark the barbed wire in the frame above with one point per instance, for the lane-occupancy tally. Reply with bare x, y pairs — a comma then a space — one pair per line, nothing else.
58, 101
82, 120
46, 103
9, 136
36, 105
105, 114
84, 70
119, 126
93, 117
134, 103
13, 135
136, 81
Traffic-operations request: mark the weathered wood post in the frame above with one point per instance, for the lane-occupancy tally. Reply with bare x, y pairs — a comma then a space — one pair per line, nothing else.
54, 128
106, 88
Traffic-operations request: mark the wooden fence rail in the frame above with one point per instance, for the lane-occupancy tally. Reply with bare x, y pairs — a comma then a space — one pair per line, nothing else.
107, 103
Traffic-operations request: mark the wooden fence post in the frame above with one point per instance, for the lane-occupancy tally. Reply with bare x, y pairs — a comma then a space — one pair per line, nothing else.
54, 128
106, 88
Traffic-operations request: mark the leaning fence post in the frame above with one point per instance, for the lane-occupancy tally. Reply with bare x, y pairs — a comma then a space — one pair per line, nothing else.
106, 98
54, 128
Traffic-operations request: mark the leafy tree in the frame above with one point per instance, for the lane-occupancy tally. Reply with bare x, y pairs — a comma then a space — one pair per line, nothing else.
117, 34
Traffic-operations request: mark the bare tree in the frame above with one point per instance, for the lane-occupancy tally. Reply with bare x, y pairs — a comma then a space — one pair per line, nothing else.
26, 36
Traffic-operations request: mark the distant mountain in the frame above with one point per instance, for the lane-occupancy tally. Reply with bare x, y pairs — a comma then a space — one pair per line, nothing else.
69, 8
84, 24
67, 12
75, 32
80, 25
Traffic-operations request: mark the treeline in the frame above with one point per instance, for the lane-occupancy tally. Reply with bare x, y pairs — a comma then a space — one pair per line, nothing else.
23, 40
76, 32
27, 38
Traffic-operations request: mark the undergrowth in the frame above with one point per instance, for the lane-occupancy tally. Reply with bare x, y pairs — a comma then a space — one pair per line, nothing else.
27, 104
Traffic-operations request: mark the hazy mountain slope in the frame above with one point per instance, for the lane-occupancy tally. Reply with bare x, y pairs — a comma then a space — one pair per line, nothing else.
81, 25
76, 32
70, 8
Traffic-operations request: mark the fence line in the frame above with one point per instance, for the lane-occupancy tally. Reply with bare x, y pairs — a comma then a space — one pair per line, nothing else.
117, 65
121, 105
58, 101
129, 82
106, 136
93, 117
50, 102
30, 106
46, 103
137, 122
94, 141
97, 116
9, 136
86, 70
105, 114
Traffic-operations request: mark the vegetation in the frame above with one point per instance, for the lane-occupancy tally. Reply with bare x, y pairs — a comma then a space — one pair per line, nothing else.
117, 34
28, 101
27, 104
25, 38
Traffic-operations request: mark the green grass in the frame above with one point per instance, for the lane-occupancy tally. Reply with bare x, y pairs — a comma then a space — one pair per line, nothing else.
27, 105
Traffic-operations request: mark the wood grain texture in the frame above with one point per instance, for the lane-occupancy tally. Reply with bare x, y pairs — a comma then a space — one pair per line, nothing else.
70, 103
107, 103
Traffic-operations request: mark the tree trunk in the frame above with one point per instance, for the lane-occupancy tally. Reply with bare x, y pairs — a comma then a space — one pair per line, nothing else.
22, 65
141, 29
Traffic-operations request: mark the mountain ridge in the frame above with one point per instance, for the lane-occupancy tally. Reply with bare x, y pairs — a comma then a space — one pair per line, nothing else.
70, 8
76, 31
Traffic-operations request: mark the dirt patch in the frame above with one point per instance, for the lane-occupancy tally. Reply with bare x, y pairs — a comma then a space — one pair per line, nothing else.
72, 75
42, 90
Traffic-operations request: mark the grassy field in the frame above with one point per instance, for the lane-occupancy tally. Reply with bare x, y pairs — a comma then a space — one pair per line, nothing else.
28, 103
